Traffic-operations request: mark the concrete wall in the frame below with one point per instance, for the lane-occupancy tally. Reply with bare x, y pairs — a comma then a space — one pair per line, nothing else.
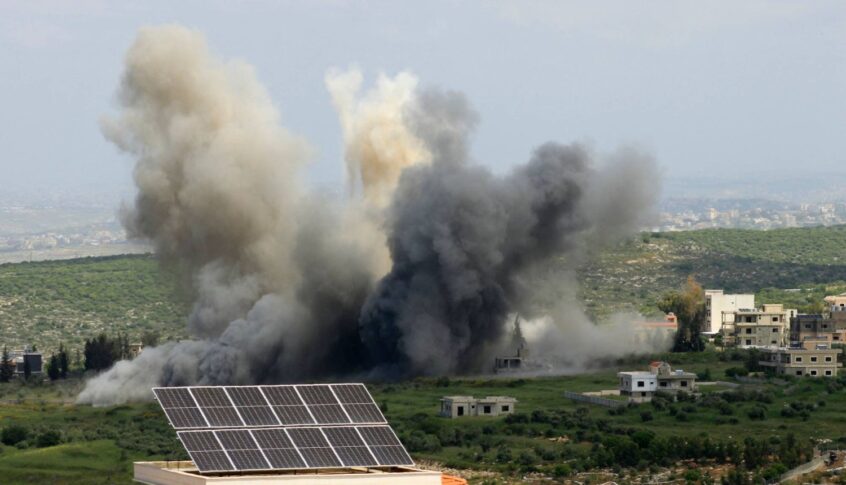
157, 473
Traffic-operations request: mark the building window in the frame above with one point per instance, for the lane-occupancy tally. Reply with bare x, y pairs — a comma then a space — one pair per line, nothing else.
640, 384
828, 359
460, 411
642, 394
748, 330
828, 372
663, 383
773, 342
505, 408
775, 329
684, 383
813, 372
798, 359
748, 342
486, 409
807, 326
798, 372
775, 319
814, 358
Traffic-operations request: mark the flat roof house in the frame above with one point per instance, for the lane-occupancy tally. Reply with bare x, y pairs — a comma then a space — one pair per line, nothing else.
812, 358
457, 406
640, 386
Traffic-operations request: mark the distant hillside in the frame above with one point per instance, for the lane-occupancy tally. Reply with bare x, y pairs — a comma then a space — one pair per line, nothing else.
48, 302
635, 274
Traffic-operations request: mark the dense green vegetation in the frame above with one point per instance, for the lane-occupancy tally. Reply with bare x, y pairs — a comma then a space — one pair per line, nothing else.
765, 428
47, 303
636, 274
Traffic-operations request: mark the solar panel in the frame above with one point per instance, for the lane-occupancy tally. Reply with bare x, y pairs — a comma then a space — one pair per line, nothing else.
278, 448
349, 446
205, 451
323, 404
358, 403
179, 407
314, 448
252, 406
242, 449
281, 427
287, 405
216, 407
385, 445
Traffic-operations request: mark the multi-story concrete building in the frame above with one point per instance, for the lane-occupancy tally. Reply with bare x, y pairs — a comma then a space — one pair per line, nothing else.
641, 386
720, 307
457, 406
760, 327
817, 327
812, 358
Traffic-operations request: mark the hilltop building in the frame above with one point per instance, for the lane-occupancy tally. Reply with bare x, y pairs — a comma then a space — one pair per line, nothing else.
720, 307
457, 406
641, 386
19, 359
812, 358
759, 327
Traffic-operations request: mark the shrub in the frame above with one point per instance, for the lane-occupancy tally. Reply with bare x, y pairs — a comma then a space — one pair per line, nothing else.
48, 438
646, 416
758, 413
14, 434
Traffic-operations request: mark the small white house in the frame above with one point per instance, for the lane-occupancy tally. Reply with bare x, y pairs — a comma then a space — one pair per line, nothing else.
638, 385
457, 406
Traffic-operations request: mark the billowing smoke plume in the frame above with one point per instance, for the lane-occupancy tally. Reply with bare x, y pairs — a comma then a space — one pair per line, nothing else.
288, 284
378, 142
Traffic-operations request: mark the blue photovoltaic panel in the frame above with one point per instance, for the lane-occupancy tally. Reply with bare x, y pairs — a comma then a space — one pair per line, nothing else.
259, 428
179, 407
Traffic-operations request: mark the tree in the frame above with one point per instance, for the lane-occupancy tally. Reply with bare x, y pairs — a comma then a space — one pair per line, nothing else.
7, 367
53, 367
64, 362
101, 352
689, 307
150, 338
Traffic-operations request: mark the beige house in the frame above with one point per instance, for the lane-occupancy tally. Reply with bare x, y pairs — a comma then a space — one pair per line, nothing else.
759, 327
457, 406
813, 358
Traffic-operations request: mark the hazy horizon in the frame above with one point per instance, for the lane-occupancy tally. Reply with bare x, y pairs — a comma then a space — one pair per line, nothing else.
717, 91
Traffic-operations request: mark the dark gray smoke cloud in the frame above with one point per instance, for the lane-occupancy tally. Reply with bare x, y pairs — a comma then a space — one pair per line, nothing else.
289, 284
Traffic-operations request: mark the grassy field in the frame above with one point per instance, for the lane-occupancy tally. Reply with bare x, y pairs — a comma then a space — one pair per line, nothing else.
98, 445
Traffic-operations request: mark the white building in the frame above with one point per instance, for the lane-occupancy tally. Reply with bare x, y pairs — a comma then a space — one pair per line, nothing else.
720, 307
456, 406
638, 385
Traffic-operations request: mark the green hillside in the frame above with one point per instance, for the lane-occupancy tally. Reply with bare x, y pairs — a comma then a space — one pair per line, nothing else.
48, 302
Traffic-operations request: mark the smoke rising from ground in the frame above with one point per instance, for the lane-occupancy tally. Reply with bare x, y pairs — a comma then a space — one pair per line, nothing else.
419, 276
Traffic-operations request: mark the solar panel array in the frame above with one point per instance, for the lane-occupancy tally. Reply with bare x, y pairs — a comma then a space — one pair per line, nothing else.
259, 406
254, 428
294, 448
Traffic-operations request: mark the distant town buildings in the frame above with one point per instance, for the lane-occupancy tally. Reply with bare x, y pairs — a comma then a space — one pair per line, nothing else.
458, 406
641, 386
688, 214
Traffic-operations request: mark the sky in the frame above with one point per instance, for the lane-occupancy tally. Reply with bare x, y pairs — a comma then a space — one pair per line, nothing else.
718, 89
